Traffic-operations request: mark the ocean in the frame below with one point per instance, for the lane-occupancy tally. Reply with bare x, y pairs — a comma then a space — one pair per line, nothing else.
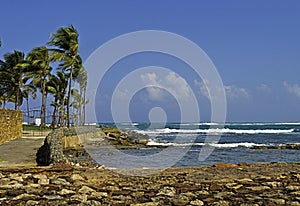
232, 143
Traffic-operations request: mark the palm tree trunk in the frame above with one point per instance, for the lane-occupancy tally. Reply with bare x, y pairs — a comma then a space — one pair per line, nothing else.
43, 111
69, 96
84, 102
80, 106
17, 99
28, 113
54, 117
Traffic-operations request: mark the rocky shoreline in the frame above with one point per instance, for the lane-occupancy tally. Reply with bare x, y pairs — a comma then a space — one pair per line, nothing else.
74, 178
220, 184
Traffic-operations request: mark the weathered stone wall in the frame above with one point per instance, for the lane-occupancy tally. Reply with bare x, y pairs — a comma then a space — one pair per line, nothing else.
56, 142
10, 124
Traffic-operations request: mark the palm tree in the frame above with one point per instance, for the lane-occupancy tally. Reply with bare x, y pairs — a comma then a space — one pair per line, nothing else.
77, 100
12, 71
57, 86
80, 75
27, 91
40, 70
66, 41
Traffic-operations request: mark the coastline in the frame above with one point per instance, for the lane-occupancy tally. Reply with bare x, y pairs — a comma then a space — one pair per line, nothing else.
219, 184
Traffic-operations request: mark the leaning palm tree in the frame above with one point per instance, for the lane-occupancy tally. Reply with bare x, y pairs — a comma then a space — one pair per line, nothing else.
40, 70
57, 86
66, 42
12, 72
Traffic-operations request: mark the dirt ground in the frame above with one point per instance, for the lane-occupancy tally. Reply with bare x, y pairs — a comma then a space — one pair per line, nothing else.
21, 151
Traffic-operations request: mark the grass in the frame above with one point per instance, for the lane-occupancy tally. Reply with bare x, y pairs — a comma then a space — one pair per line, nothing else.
34, 128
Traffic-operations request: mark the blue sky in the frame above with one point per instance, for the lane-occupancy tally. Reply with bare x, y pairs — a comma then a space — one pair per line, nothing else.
255, 46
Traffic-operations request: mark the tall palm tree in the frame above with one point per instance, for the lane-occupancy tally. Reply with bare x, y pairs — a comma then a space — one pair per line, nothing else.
80, 75
27, 91
12, 71
76, 103
57, 86
66, 42
39, 72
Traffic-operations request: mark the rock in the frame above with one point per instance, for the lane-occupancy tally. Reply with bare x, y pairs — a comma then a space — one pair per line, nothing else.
60, 181
31, 203
52, 197
277, 201
221, 203
76, 177
259, 188
297, 193
272, 184
66, 192
79, 198
85, 190
224, 165
12, 186
221, 195
146, 204
234, 186
168, 191
244, 180
93, 202
242, 164
293, 188
197, 203
42, 179
24, 197
216, 187
16, 177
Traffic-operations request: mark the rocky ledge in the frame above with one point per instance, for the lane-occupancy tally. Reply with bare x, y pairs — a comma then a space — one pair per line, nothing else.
282, 146
220, 184
66, 146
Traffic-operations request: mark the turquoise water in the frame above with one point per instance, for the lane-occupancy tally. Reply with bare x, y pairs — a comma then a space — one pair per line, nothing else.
231, 143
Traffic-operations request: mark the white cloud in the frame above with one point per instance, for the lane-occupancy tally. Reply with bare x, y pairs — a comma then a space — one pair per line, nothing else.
293, 89
172, 83
235, 92
232, 91
264, 88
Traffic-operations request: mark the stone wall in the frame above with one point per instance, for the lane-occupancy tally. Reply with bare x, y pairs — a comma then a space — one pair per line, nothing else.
59, 140
10, 124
